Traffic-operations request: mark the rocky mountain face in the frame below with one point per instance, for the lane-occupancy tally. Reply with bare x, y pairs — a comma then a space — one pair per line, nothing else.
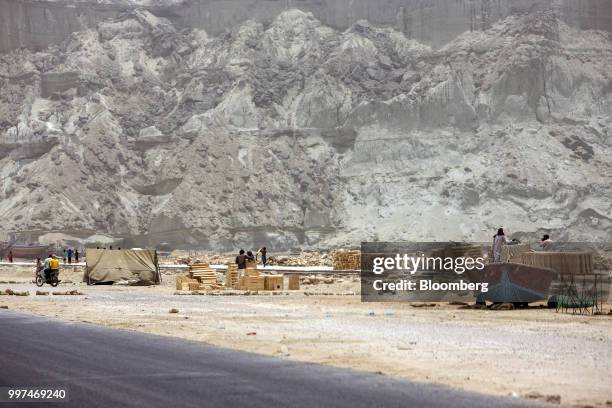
38, 23
292, 132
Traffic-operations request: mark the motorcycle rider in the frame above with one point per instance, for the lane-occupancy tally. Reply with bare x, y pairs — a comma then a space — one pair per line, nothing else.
50, 265
46, 264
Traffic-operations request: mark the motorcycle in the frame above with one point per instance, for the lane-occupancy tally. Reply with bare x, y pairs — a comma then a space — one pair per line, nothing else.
52, 280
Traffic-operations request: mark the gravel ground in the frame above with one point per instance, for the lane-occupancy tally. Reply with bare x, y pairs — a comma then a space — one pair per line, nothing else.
533, 353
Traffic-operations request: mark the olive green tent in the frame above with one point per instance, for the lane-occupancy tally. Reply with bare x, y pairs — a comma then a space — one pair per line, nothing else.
113, 265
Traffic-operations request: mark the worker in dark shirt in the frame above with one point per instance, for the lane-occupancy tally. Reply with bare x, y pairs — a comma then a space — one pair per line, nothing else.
241, 261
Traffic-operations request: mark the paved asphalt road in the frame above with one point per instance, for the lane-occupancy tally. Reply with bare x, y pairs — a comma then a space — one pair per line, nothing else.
103, 367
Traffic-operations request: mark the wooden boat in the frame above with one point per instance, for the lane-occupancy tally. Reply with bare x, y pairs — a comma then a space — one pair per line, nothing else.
512, 283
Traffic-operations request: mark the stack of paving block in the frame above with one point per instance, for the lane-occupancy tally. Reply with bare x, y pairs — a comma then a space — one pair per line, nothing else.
273, 282
205, 276
344, 260
186, 283
231, 276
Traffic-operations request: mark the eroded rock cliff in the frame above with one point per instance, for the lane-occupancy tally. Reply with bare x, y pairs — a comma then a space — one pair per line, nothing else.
297, 133
36, 24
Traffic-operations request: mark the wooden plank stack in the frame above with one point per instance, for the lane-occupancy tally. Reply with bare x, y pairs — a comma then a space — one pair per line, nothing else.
345, 260
204, 275
231, 276
273, 282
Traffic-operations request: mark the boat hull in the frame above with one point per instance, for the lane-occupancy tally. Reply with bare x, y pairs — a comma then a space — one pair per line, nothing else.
513, 283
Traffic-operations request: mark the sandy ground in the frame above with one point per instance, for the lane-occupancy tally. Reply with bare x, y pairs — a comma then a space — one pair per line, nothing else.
535, 353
